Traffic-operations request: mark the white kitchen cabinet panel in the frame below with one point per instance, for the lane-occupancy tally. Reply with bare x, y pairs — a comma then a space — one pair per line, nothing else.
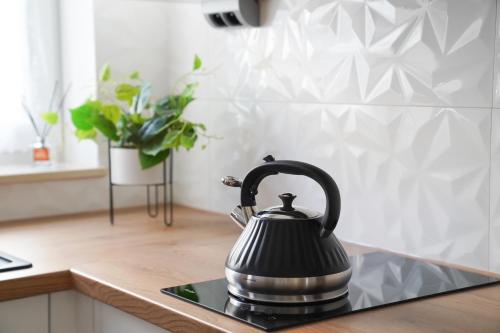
71, 312
110, 320
26, 315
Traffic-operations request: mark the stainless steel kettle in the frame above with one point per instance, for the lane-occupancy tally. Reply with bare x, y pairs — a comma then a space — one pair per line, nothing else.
286, 254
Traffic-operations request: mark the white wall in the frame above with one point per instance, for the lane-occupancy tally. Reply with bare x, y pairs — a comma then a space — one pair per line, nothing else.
79, 71
78, 54
394, 99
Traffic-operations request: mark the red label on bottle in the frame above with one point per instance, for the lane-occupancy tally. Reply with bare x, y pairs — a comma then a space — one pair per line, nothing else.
40, 154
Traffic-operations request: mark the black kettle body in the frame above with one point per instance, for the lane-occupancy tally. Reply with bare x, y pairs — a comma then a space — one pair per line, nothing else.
287, 254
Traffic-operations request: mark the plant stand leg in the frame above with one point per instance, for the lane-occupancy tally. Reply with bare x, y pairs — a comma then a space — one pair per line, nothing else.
165, 221
168, 217
110, 184
152, 213
171, 187
111, 205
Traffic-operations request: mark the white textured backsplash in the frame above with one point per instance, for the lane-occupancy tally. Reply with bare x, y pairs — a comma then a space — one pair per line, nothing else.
495, 194
412, 179
393, 98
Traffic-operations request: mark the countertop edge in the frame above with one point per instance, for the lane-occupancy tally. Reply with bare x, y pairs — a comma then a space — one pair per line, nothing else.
140, 307
33, 285
148, 310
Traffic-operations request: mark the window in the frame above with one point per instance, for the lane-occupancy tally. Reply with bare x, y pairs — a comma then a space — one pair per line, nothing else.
29, 67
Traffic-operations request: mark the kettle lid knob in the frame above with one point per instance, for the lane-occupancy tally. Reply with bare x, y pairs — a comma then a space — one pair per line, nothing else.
287, 199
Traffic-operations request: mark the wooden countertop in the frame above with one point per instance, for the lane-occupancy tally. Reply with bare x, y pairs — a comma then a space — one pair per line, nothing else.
126, 266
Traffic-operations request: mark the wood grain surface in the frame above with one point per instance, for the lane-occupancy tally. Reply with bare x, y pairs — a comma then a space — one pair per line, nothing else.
126, 266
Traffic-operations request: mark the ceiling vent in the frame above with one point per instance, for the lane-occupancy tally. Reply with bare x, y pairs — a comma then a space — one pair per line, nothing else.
231, 13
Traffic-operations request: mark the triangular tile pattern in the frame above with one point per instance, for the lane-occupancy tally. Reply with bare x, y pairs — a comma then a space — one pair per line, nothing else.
413, 179
495, 194
378, 52
392, 97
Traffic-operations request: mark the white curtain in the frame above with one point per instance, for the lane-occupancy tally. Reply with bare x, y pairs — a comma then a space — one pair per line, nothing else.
29, 67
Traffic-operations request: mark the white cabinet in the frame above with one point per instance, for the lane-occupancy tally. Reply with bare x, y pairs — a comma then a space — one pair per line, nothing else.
71, 312
25, 315
110, 320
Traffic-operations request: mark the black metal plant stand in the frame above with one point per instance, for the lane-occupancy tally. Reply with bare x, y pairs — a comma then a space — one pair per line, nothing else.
152, 210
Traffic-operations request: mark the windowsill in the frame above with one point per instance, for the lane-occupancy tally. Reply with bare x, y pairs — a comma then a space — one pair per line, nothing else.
15, 174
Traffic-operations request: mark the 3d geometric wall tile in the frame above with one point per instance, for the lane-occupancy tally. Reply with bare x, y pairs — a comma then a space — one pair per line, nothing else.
413, 179
496, 72
495, 194
393, 98
380, 52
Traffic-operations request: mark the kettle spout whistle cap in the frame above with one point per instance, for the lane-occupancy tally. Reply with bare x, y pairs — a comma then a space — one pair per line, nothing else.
241, 216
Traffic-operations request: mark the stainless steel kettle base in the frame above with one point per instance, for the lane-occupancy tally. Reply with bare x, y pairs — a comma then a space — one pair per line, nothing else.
235, 305
270, 298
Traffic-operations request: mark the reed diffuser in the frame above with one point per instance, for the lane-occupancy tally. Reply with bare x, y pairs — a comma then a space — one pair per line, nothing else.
49, 118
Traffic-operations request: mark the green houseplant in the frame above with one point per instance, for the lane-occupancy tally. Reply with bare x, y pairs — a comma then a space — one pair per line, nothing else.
126, 115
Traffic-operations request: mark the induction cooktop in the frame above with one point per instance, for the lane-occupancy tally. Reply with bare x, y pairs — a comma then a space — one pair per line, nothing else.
378, 279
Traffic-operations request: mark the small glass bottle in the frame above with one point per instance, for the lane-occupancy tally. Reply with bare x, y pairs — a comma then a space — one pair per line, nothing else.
41, 152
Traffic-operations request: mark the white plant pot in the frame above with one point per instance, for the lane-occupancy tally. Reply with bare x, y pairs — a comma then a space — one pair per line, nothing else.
126, 169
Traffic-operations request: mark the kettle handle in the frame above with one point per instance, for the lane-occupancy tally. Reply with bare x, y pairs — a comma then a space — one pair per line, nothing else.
271, 167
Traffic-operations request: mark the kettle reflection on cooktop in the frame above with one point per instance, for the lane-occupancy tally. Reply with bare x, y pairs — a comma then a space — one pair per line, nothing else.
245, 309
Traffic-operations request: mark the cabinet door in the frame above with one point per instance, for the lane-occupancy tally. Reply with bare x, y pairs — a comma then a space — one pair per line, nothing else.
111, 320
71, 312
26, 315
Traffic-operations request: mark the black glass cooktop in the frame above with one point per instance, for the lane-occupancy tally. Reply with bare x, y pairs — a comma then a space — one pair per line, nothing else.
378, 279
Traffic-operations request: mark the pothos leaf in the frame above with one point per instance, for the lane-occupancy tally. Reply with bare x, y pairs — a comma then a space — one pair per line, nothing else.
172, 139
111, 112
86, 134
141, 100
188, 140
187, 96
148, 161
136, 118
106, 127
188, 91
201, 126
126, 92
154, 146
152, 127
51, 118
134, 75
196, 62
82, 116
105, 74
